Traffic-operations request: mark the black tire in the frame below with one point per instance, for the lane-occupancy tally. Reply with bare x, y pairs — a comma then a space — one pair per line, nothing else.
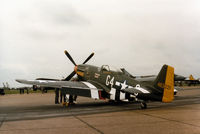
143, 105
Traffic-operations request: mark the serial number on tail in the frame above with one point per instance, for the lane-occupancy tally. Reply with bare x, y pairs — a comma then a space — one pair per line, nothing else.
163, 85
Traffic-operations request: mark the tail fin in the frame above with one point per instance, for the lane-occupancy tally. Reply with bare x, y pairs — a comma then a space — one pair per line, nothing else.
165, 83
191, 77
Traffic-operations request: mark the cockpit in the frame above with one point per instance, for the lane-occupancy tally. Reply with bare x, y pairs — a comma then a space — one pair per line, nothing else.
110, 69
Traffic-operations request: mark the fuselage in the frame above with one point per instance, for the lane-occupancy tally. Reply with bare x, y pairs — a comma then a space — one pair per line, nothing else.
114, 81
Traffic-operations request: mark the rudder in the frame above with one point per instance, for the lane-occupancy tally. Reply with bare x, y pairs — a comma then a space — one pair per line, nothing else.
191, 77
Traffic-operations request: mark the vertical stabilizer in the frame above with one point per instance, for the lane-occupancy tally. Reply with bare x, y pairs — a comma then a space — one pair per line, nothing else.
191, 77
165, 83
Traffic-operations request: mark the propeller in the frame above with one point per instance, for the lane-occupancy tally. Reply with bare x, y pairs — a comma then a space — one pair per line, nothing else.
91, 55
70, 76
71, 59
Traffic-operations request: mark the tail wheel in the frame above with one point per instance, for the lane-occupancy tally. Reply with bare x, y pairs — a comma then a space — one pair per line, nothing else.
143, 105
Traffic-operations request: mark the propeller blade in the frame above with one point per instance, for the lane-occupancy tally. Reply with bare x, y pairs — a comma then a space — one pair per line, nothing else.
91, 55
70, 58
70, 76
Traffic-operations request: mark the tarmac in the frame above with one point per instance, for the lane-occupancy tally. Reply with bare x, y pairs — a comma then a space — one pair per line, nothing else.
37, 114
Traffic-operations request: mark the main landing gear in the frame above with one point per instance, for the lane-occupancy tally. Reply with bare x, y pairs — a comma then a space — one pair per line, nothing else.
143, 105
69, 100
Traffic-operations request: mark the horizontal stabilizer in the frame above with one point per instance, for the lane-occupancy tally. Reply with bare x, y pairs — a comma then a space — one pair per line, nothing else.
135, 90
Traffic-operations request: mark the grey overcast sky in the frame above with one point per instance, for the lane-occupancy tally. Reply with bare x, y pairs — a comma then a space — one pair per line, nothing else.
139, 35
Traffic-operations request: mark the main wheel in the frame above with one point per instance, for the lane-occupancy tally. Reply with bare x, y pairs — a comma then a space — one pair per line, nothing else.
143, 105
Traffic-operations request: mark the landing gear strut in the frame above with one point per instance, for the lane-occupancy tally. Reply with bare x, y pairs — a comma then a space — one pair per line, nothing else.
69, 100
143, 105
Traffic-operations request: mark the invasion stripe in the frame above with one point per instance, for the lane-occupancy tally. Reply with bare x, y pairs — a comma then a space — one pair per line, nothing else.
93, 90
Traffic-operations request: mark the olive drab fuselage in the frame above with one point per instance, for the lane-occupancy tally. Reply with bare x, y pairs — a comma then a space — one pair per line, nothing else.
115, 80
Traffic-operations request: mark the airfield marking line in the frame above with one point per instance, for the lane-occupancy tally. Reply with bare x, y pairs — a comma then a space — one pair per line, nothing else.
169, 119
99, 131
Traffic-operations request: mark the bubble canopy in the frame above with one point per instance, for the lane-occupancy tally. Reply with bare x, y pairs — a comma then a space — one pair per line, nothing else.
111, 68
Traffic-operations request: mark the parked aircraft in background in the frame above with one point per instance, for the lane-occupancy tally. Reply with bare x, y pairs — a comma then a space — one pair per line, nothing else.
191, 81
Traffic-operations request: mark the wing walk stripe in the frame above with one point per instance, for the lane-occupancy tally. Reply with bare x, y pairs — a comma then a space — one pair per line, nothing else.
93, 90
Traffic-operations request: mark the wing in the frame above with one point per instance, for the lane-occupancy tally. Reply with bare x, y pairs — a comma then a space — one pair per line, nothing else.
85, 89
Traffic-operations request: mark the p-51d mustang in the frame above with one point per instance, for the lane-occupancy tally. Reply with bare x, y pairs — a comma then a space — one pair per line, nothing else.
117, 85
